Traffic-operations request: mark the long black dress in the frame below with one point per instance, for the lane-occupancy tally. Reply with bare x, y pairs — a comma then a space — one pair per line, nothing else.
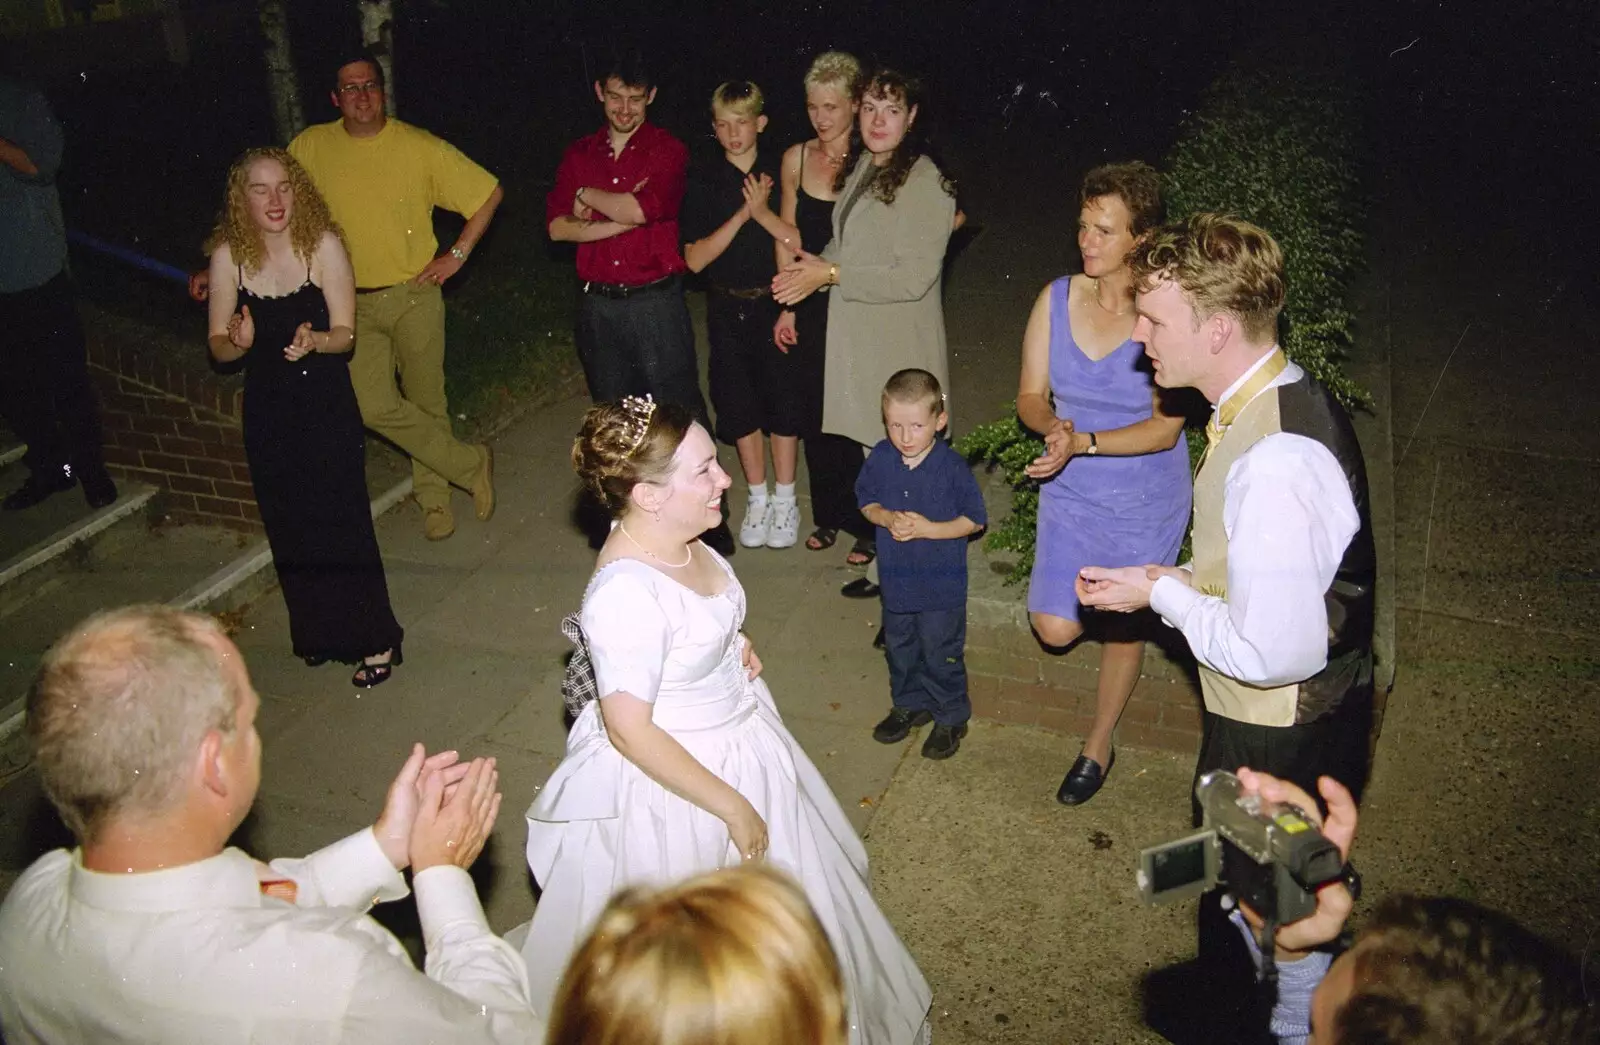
303, 438
833, 461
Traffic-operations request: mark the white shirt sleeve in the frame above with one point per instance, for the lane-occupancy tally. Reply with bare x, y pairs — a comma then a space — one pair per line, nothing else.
1289, 516
352, 872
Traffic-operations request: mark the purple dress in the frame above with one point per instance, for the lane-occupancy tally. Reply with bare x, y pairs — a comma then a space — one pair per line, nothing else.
1103, 511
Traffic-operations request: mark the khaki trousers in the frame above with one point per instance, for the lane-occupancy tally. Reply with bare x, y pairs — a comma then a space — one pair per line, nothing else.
400, 333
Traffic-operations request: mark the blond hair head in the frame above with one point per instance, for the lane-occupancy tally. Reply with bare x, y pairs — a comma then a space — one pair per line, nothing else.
119, 708
309, 218
741, 97
735, 957
836, 69
1221, 264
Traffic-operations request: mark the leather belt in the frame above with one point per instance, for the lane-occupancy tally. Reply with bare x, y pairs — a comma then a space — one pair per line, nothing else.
750, 294
624, 290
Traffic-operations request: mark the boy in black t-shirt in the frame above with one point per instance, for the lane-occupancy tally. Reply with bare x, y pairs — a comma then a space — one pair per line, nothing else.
729, 228
922, 497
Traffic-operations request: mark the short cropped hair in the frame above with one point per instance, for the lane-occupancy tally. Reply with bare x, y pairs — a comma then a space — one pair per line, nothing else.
1222, 264
630, 68
835, 69
365, 56
1443, 971
118, 709
1136, 184
735, 957
914, 387
739, 96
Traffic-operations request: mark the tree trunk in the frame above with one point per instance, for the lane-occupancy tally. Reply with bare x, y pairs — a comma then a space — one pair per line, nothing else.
377, 36
282, 82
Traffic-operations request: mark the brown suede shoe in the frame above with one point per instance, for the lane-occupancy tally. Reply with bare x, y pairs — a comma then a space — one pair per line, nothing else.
437, 523
483, 485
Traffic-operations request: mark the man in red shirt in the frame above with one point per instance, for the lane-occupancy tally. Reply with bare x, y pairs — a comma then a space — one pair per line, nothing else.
616, 196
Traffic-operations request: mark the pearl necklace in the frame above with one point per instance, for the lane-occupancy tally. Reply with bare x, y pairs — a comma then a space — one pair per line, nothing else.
688, 556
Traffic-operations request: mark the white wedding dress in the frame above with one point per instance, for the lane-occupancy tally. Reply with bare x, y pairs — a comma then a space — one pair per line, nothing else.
601, 824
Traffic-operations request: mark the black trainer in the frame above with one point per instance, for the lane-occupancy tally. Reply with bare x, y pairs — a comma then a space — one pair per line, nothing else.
37, 487
943, 741
898, 723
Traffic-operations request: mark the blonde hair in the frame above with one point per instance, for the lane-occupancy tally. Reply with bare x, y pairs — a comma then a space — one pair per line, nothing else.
735, 957
1221, 264
914, 387
309, 218
836, 69
612, 457
119, 707
738, 96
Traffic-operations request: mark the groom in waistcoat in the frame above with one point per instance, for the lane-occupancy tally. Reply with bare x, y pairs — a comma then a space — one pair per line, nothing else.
1277, 602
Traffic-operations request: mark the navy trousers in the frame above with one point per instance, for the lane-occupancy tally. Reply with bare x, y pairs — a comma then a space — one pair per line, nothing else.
927, 662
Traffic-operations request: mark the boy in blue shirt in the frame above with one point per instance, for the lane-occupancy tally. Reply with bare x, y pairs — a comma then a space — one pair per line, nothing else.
921, 496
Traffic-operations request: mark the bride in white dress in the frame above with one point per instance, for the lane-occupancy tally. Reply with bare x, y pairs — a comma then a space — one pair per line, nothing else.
683, 764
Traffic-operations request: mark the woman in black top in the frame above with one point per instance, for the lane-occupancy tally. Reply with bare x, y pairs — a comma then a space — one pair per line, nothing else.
283, 301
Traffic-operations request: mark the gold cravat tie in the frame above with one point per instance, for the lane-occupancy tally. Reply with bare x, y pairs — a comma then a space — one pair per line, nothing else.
1230, 409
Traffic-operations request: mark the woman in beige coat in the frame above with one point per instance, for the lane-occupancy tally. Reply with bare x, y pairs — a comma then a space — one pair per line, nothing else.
885, 262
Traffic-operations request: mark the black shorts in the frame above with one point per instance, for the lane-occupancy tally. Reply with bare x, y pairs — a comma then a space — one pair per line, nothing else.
752, 382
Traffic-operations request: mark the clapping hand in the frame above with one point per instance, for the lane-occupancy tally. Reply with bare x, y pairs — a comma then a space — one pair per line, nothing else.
906, 526
304, 343
393, 828
757, 188
801, 278
242, 329
1057, 451
1334, 901
453, 823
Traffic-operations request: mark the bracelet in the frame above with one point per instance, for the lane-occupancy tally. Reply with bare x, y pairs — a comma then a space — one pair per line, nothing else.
457, 253
833, 275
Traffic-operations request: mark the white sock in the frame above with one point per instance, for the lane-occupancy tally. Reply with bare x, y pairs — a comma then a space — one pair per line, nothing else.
758, 493
784, 491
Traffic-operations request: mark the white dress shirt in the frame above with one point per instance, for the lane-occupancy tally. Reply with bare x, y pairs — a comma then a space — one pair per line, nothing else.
1289, 516
200, 954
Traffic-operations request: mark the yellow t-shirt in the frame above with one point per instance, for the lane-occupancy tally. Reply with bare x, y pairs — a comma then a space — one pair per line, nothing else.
383, 189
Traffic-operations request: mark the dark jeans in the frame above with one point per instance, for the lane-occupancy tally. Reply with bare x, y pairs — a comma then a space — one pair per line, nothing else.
834, 462
640, 344
927, 662
45, 393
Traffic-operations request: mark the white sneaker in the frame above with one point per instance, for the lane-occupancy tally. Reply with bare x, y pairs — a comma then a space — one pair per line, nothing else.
757, 525
785, 524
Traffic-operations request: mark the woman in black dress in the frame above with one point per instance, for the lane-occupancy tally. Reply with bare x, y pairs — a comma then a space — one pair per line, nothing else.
813, 173
283, 301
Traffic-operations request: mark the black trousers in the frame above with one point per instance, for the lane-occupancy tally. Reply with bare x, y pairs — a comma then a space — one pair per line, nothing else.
926, 651
45, 393
640, 344
834, 462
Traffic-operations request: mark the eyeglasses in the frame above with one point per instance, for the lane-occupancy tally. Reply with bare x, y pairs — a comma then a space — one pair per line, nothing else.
351, 89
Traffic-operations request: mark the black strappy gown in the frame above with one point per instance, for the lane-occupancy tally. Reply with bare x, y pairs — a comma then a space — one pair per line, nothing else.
304, 441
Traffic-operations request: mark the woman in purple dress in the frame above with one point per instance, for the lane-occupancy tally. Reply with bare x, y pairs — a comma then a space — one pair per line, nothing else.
1115, 481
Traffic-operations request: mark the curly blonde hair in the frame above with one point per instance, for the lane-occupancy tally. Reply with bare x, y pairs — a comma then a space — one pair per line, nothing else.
1222, 264
309, 218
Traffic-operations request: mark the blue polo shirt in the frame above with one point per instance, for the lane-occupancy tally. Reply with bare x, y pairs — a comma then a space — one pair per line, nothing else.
921, 574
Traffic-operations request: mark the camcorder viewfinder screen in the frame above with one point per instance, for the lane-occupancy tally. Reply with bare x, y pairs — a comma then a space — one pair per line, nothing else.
1178, 866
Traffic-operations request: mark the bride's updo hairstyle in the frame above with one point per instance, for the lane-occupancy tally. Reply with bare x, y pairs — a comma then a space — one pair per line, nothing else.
626, 443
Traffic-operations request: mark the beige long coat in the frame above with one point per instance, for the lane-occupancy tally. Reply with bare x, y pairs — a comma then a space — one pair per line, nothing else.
887, 313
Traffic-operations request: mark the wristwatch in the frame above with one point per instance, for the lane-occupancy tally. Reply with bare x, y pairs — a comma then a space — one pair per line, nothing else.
457, 253
833, 275
1094, 445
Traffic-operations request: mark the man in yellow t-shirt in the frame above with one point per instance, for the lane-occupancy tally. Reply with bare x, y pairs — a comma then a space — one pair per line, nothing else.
382, 178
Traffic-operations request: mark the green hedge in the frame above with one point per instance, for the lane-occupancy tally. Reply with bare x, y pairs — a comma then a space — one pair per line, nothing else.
1275, 148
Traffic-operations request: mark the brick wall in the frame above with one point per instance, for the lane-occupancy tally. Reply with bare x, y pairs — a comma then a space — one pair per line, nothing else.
176, 427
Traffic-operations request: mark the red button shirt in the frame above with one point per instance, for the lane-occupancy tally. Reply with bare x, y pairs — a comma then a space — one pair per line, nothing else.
643, 254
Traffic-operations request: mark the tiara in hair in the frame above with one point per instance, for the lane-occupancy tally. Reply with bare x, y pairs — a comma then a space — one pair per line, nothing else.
639, 410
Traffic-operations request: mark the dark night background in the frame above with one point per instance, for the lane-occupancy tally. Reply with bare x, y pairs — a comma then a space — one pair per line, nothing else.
1492, 105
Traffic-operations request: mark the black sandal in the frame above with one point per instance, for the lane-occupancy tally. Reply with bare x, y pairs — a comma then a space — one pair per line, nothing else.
822, 538
369, 676
864, 546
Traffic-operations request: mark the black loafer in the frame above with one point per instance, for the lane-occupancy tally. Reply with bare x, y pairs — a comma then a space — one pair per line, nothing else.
1083, 780
878, 641
860, 588
898, 723
943, 741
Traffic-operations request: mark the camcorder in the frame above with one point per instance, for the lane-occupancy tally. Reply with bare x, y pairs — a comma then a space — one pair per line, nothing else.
1269, 855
